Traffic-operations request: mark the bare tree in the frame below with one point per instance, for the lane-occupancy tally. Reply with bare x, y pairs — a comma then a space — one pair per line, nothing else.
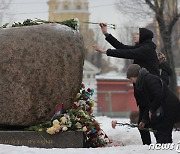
4, 5
166, 13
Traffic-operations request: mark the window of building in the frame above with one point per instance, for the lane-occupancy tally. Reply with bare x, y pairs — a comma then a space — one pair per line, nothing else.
66, 7
78, 7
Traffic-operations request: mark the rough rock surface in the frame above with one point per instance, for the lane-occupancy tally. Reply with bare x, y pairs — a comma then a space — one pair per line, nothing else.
40, 68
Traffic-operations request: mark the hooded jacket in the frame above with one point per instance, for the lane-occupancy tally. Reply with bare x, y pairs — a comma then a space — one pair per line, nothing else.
143, 53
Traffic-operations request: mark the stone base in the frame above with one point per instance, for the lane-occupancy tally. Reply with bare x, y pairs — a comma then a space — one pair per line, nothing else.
69, 139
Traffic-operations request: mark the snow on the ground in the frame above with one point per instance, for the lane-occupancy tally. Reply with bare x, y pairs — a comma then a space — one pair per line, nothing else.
129, 137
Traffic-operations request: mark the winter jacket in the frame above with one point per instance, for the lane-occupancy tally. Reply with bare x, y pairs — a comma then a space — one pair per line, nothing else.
143, 54
165, 71
157, 94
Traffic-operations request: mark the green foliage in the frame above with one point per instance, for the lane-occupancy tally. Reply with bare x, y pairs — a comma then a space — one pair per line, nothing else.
72, 23
39, 127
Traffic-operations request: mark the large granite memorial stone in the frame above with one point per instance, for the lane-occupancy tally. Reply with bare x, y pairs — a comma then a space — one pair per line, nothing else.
40, 68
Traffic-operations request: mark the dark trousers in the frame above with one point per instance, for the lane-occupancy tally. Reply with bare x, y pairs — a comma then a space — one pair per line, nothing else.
145, 135
163, 136
164, 129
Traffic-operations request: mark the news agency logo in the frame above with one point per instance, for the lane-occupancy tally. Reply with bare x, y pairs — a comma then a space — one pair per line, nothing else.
166, 146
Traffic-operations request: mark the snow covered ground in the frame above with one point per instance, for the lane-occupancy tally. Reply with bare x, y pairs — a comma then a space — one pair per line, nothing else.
122, 135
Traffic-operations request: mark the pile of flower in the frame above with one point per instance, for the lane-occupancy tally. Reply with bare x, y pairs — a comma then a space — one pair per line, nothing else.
73, 23
78, 118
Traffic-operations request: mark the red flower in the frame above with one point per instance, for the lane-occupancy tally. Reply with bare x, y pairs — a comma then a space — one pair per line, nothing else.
82, 85
89, 110
98, 128
113, 123
86, 98
89, 90
75, 106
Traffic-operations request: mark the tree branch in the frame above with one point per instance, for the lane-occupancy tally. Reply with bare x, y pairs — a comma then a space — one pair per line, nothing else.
151, 5
173, 22
4, 4
162, 4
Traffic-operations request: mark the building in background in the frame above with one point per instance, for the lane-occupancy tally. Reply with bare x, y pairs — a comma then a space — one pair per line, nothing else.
115, 96
61, 10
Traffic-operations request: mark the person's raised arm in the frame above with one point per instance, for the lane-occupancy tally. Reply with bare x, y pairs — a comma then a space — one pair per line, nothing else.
103, 28
140, 53
112, 40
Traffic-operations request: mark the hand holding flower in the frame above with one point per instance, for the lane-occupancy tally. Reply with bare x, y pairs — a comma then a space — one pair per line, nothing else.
113, 123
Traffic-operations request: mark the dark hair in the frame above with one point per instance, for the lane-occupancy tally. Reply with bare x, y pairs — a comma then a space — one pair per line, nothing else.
133, 71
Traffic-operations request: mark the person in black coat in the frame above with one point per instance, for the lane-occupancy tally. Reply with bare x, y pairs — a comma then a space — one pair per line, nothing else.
144, 54
164, 68
158, 94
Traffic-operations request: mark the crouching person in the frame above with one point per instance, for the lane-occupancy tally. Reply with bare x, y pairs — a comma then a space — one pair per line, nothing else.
158, 94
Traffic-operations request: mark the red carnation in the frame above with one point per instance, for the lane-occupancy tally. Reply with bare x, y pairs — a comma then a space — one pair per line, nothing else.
113, 123
89, 90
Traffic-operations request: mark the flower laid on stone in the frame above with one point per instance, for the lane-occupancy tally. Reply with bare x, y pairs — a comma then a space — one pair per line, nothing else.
73, 23
78, 118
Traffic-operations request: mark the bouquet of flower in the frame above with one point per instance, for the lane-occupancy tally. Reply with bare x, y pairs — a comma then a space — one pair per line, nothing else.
78, 118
